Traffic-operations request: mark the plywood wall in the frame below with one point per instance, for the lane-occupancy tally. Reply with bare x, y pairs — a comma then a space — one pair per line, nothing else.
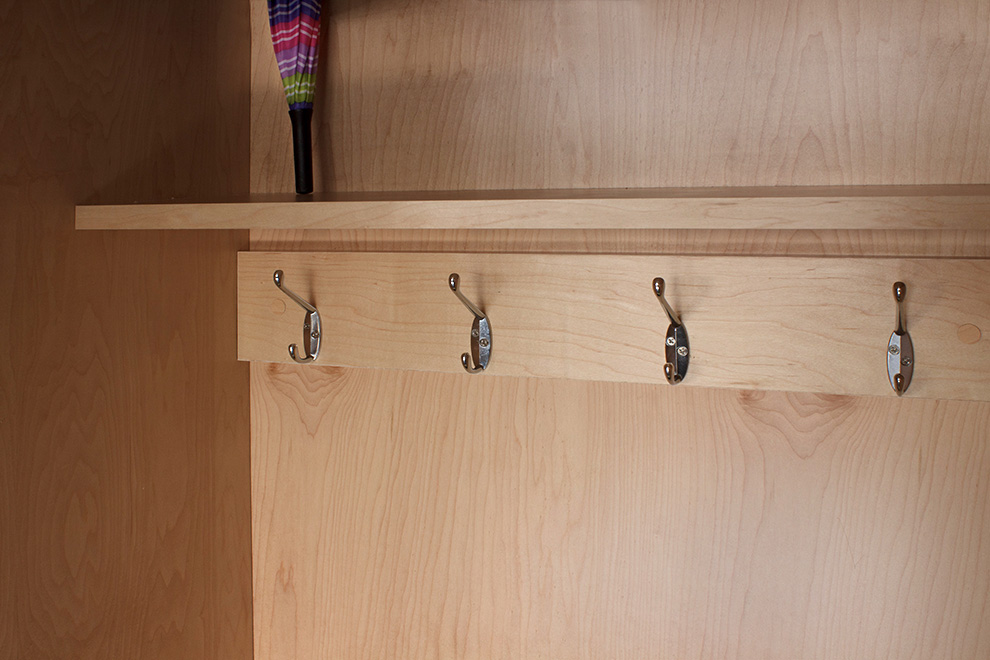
576, 94
401, 515
124, 505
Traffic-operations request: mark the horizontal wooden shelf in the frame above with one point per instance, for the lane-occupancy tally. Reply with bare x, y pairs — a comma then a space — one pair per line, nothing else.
841, 208
774, 323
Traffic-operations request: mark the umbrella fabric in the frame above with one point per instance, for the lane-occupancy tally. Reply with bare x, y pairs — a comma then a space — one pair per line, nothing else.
295, 26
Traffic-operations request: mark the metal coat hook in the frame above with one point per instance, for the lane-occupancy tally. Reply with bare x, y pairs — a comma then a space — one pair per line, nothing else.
311, 325
676, 351
481, 332
900, 348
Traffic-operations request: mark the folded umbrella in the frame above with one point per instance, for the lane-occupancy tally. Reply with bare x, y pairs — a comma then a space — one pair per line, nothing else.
295, 27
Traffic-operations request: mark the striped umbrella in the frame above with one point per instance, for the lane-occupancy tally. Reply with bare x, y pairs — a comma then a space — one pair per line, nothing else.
295, 26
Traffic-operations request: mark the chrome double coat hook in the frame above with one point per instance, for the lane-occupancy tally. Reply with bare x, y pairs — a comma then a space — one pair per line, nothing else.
900, 348
481, 332
311, 325
676, 350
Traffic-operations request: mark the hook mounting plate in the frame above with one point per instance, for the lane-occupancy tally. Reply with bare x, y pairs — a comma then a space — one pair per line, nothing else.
677, 352
481, 343
900, 348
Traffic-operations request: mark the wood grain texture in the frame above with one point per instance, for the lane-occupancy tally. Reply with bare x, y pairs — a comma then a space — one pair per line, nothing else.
756, 242
404, 515
557, 94
124, 486
11, 552
426, 515
811, 325
899, 208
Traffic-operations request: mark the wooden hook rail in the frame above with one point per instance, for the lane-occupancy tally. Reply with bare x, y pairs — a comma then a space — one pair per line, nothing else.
784, 323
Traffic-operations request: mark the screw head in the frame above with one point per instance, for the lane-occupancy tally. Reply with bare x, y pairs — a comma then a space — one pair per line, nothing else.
682, 351
670, 341
474, 332
315, 335
907, 362
893, 349
483, 342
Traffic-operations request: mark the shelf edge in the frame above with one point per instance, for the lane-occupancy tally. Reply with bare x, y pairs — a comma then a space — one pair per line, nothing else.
840, 208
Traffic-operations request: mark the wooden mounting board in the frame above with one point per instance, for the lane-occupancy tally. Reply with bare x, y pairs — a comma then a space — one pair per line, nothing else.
831, 208
792, 324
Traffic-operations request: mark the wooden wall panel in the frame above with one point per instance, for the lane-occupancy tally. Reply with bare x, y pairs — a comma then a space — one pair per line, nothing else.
443, 516
11, 553
124, 496
402, 515
562, 94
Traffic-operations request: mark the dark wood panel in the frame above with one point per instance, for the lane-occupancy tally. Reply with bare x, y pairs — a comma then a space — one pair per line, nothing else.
123, 413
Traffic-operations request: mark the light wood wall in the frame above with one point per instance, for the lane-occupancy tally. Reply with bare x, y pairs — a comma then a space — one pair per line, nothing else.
406, 515
124, 466
401, 515
598, 94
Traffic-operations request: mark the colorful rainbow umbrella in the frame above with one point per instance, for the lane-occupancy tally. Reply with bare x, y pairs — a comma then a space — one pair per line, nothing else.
295, 26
